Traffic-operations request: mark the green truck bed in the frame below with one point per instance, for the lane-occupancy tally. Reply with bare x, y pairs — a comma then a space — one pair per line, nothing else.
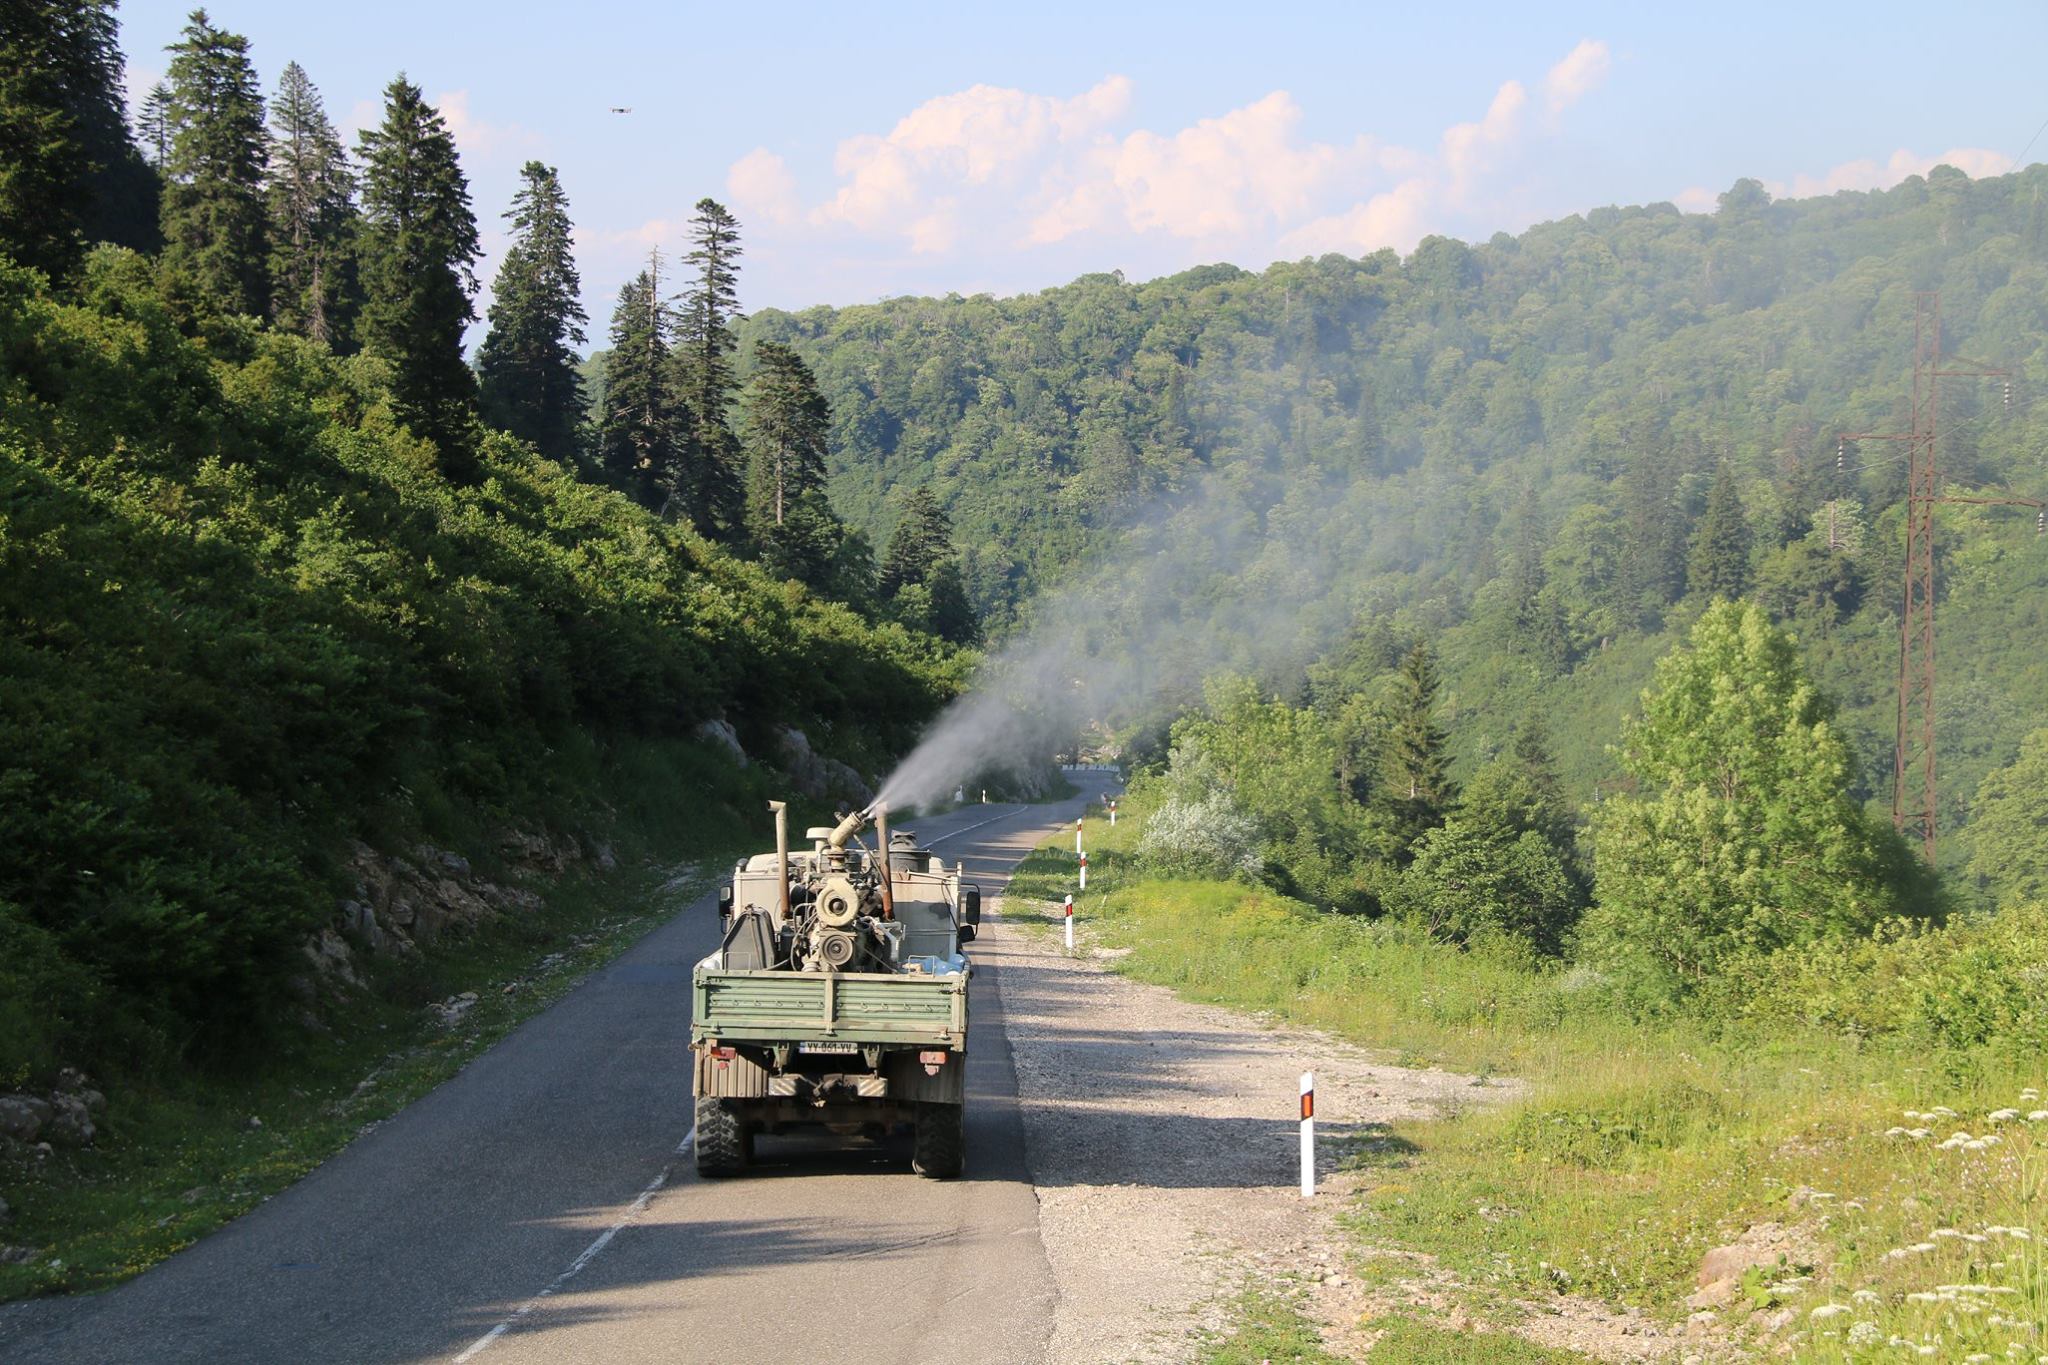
851, 1007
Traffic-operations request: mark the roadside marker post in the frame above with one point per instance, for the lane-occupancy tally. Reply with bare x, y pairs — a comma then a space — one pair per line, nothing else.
1070, 926
1077, 834
1308, 1134
1084, 872
1112, 815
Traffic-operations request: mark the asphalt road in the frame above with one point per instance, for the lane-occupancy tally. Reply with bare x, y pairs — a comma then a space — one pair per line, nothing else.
542, 1205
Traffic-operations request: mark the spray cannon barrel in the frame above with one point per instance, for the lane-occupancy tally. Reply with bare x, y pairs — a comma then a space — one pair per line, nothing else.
850, 826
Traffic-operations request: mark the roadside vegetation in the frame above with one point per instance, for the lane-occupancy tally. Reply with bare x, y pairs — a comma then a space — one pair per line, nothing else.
1841, 1074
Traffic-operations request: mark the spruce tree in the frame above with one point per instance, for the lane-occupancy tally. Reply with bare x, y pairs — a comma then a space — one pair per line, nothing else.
313, 218
704, 361
788, 423
419, 250
213, 213
923, 540
1415, 791
644, 430
68, 173
530, 385
1719, 563
153, 125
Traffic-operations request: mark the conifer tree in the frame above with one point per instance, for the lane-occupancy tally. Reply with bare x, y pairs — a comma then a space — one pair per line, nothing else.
214, 217
704, 352
153, 125
921, 572
313, 218
1719, 563
788, 423
419, 251
68, 173
644, 430
923, 540
1415, 791
527, 365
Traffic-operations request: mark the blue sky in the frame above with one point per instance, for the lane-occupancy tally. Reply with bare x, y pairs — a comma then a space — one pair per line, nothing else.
871, 151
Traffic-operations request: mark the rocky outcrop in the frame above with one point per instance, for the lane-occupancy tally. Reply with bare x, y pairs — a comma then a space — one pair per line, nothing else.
814, 775
62, 1116
401, 904
721, 734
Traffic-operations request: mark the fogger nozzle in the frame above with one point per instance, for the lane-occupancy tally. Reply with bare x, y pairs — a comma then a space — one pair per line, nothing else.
850, 826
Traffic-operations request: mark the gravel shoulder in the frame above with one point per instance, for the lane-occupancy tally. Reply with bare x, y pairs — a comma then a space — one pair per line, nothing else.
1163, 1138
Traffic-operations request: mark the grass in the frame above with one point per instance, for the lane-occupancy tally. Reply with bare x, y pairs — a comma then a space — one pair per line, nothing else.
1639, 1145
1268, 1328
178, 1155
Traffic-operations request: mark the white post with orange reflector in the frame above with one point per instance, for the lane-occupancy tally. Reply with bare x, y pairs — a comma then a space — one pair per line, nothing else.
1077, 834
1070, 925
1308, 1134
1084, 872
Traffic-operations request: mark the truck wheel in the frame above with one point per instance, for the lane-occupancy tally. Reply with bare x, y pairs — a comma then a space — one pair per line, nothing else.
724, 1146
939, 1146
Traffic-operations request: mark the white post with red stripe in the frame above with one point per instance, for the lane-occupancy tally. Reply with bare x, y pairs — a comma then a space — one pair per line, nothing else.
1308, 1134
1070, 924
1077, 834
1084, 872
1112, 815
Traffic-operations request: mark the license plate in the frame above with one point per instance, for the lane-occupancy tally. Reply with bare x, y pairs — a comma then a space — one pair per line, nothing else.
834, 1049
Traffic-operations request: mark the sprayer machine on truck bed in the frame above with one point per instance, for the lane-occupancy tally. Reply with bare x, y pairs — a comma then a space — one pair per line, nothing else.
837, 998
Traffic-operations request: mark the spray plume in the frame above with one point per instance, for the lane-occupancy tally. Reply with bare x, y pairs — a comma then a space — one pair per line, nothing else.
1199, 584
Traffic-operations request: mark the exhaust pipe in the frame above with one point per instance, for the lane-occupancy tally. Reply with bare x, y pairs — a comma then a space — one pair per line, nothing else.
888, 863
781, 809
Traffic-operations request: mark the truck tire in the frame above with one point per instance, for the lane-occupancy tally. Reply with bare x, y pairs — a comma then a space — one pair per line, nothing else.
939, 1143
724, 1146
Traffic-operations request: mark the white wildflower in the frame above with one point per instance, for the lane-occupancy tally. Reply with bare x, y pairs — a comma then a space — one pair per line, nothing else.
1941, 1111
1830, 1310
2038, 1116
2002, 1115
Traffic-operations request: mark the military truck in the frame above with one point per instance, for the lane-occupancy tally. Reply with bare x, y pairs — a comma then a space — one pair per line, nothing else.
837, 997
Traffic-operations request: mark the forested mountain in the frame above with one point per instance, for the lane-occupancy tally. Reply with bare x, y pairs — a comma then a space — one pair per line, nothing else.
1542, 453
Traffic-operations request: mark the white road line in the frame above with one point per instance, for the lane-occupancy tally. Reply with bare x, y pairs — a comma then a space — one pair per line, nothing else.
590, 1253
976, 825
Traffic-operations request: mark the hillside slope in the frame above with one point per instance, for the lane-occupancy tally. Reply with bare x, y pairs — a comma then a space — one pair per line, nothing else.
1509, 446
244, 621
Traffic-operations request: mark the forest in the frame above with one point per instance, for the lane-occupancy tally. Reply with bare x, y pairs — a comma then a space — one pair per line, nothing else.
1541, 455
281, 569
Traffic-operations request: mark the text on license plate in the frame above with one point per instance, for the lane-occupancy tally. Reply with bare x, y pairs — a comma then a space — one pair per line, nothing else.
834, 1048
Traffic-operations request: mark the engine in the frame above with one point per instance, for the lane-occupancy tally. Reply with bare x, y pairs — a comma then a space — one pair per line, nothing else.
838, 914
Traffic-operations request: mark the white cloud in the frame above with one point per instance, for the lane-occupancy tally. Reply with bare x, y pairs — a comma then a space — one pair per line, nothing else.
1219, 179
476, 138
761, 187
987, 177
1869, 174
975, 137
1865, 173
1572, 79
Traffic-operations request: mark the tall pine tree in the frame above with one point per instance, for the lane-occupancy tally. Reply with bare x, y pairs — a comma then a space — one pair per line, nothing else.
921, 572
419, 254
68, 173
1415, 792
1719, 563
313, 220
787, 426
214, 218
527, 365
643, 434
704, 366
153, 126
